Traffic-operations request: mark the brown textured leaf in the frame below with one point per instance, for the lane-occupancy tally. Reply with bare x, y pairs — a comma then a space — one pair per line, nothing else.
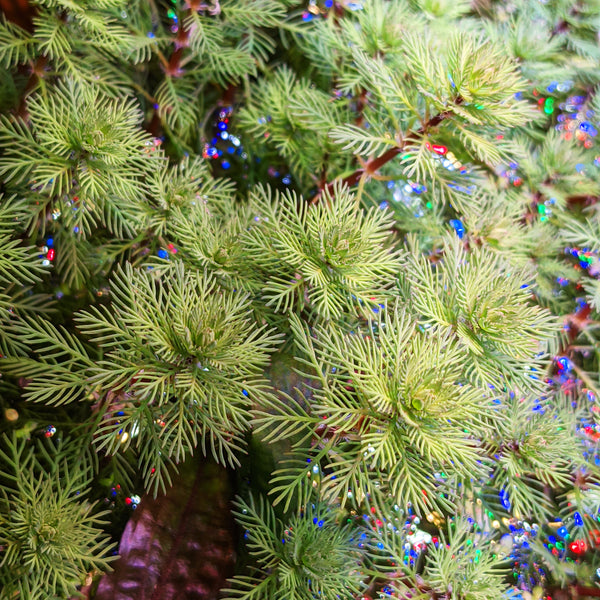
179, 546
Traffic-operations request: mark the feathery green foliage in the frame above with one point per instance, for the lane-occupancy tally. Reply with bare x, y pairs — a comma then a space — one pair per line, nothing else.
83, 160
462, 565
398, 196
392, 406
330, 259
51, 536
180, 368
187, 359
19, 268
534, 447
487, 307
309, 555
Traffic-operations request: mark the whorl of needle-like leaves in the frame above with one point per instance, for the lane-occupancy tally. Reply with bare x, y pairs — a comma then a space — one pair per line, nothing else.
179, 193
186, 357
533, 446
391, 409
310, 555
289, 117
330, 259
327, 261
82, 161
462, 565
50, 537
81, 143
487, 305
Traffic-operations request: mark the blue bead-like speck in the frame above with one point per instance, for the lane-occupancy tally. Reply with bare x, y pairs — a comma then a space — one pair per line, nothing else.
459, 228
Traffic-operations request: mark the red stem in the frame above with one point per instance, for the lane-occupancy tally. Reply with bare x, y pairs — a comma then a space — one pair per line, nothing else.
373, 165
173, 69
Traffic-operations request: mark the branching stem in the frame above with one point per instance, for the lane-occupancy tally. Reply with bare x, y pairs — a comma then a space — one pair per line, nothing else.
373, 165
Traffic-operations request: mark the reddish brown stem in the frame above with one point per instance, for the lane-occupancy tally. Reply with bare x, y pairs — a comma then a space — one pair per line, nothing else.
361, 102
373, 165
37, 71
573, 592
228, 98
19, 12
174, 66
582, 591
182, 40
173, 69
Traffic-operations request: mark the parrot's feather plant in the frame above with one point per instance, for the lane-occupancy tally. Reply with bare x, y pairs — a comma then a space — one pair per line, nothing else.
360, 237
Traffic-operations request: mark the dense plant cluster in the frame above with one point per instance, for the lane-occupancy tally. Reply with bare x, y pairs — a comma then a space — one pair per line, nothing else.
394, 202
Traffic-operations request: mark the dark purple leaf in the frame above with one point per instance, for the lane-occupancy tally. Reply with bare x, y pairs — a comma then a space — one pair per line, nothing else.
179, 546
